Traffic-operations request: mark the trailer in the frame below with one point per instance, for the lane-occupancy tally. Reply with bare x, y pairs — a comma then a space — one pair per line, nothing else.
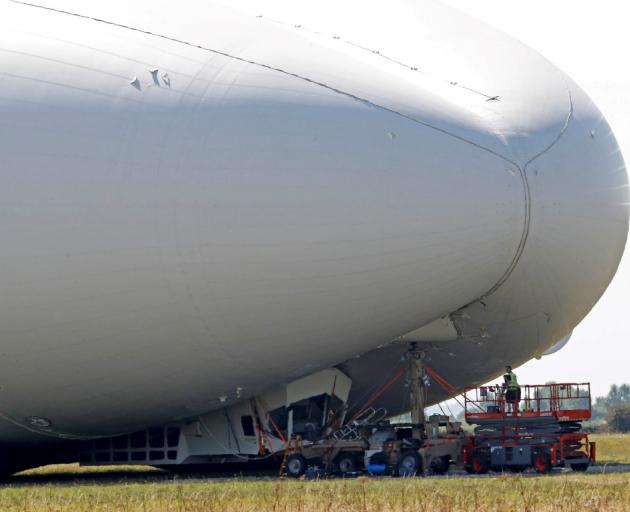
367, 443
382, 449
542, 431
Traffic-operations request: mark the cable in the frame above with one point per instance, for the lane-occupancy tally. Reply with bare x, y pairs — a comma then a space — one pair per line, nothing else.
282, 438
449, 409
449, 388
380, 392
370, 390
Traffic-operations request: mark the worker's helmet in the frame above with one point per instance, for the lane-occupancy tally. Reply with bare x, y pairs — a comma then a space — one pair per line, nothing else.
508, 368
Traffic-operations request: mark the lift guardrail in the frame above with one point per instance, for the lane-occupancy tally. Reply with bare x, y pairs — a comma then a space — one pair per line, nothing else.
564, 402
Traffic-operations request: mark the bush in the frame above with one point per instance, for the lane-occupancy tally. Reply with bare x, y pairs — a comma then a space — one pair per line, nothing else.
619, 418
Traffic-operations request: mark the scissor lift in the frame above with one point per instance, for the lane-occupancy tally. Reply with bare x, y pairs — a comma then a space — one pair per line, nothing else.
542, 432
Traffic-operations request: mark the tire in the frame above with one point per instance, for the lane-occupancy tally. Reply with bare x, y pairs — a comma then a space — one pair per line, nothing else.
346, 463
441, 465
409, 464
580, 467
412, 443
542, 463
296, 465
479, 463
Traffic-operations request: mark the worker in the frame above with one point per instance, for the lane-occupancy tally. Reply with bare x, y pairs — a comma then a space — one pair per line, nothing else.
513, 390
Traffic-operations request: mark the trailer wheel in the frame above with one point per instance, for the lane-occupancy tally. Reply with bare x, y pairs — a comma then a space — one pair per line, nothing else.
480, 464
296, 465
542, 463
410, 463
580, 467
346, 463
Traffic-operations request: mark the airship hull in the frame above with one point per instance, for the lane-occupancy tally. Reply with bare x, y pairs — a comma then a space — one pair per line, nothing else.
198, 209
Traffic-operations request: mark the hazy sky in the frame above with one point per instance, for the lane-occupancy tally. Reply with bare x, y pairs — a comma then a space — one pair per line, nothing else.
589, 41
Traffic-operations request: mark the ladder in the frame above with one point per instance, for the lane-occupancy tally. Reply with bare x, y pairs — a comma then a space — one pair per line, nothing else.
350, 429
294, 445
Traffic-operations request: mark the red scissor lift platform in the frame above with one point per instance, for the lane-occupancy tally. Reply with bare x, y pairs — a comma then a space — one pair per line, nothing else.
543, 432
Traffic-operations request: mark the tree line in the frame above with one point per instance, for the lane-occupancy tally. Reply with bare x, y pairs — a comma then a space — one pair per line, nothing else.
614, 408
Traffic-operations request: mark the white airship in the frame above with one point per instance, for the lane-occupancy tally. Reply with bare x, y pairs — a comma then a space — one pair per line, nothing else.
221, 218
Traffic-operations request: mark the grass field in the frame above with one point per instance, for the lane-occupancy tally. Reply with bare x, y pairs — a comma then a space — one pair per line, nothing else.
73, 489
612, 448
569, 492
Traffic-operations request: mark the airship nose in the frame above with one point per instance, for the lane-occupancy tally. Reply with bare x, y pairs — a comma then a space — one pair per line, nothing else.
574, 231
578, 219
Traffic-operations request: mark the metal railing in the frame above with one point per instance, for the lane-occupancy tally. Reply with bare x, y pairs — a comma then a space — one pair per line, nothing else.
565, 401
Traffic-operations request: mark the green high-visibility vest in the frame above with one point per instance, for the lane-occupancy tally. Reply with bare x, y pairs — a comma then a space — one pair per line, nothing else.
512, 382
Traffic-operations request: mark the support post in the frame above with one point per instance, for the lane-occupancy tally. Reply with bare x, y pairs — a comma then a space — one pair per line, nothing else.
417, 390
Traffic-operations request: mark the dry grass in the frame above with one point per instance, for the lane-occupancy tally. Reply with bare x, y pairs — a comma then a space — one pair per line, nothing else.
612, 448
76, 469
69, 488
569, 492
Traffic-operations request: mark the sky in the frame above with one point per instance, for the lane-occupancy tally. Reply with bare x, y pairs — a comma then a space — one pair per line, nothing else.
589, 41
